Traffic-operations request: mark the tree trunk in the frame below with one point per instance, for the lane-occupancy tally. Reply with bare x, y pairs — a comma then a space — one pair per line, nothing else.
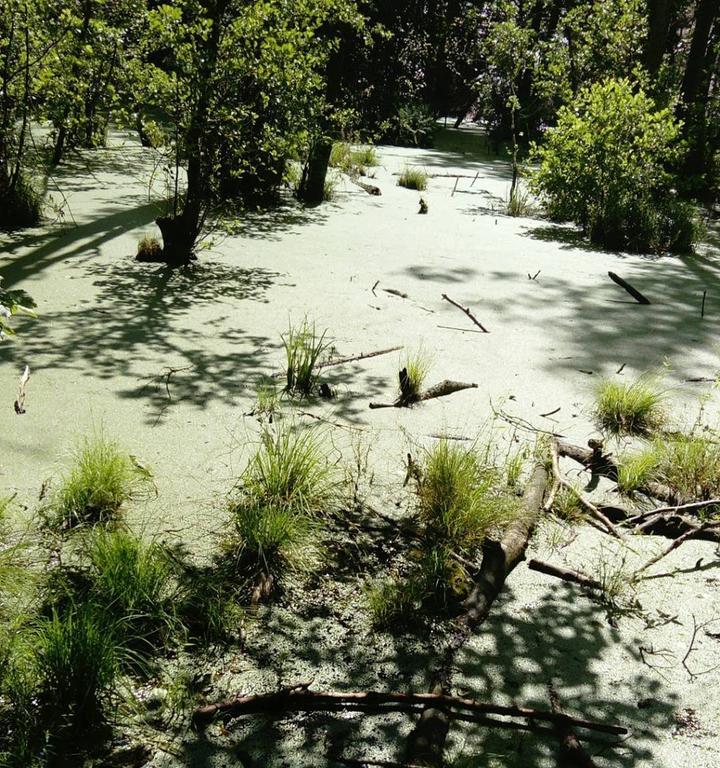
658, 26
312, 189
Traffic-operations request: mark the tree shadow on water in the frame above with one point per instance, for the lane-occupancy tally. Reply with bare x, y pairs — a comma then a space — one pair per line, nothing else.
560, 642
152, 326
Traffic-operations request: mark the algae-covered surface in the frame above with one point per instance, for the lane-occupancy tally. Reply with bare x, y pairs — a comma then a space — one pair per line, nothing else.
168, 363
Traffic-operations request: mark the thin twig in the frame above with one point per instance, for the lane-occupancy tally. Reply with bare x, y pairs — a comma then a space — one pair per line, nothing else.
467, 312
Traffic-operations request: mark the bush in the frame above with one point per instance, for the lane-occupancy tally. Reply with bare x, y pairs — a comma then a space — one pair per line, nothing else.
413, 178
413, 126
101, 481
21, 206
606, 166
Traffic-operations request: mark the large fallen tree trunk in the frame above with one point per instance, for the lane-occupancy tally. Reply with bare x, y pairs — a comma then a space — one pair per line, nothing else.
427, 740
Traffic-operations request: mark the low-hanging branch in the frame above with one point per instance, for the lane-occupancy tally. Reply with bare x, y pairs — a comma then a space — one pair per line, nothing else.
301, 699
444, 388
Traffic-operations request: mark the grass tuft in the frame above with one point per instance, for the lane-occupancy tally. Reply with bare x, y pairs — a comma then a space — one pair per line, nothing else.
290, 470
629, 409
413, 178
149, 249
303, 349
688, 465
135, 583
102, 479
353, 162
415, 368
518, 202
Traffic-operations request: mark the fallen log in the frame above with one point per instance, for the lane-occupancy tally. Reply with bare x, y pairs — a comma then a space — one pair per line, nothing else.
371, 189
467, 312
566, 574
632, 291
301, 699
427, 741
689, 534
444, 388
603, 464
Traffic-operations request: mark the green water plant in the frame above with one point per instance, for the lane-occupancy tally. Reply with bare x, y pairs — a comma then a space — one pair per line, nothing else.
635, 408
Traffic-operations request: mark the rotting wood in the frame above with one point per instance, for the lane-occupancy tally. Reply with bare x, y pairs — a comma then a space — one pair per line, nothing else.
22, 391
427, 741
629, 288
444, 388
566, 574
300, 699
371, 189
467, 312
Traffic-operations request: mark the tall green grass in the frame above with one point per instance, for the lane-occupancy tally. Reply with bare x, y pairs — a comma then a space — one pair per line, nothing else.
629, 409
413, 178
303, 350
101, 480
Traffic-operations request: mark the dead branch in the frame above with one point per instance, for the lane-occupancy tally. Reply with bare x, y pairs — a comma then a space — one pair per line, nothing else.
467, 312
586, 503
371, 189
20, 402
444, 388
603, 464
689, 534
427, 740
632, 291
566, 574
355, 358
572, 753
301, 699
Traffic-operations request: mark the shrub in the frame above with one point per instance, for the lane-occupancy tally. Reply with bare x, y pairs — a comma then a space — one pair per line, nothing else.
20, 206
629, 409
413, 178
606, 167
290, 470
102, 479
303, 348
413, 126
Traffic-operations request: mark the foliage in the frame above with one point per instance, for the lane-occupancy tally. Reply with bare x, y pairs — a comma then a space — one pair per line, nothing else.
412, 126
413, 178
290, 470
605, 166
416, 367
303, 349
272, 540
629, 409
352, 162
135, 583
101, 480
688, 464
15, 302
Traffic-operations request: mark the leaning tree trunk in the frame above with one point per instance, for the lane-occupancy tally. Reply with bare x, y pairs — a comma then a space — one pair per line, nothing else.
312, 188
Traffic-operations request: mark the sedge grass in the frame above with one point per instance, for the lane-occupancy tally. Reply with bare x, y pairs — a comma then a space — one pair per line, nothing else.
413, 178
303, 349
102, 479
629, 409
